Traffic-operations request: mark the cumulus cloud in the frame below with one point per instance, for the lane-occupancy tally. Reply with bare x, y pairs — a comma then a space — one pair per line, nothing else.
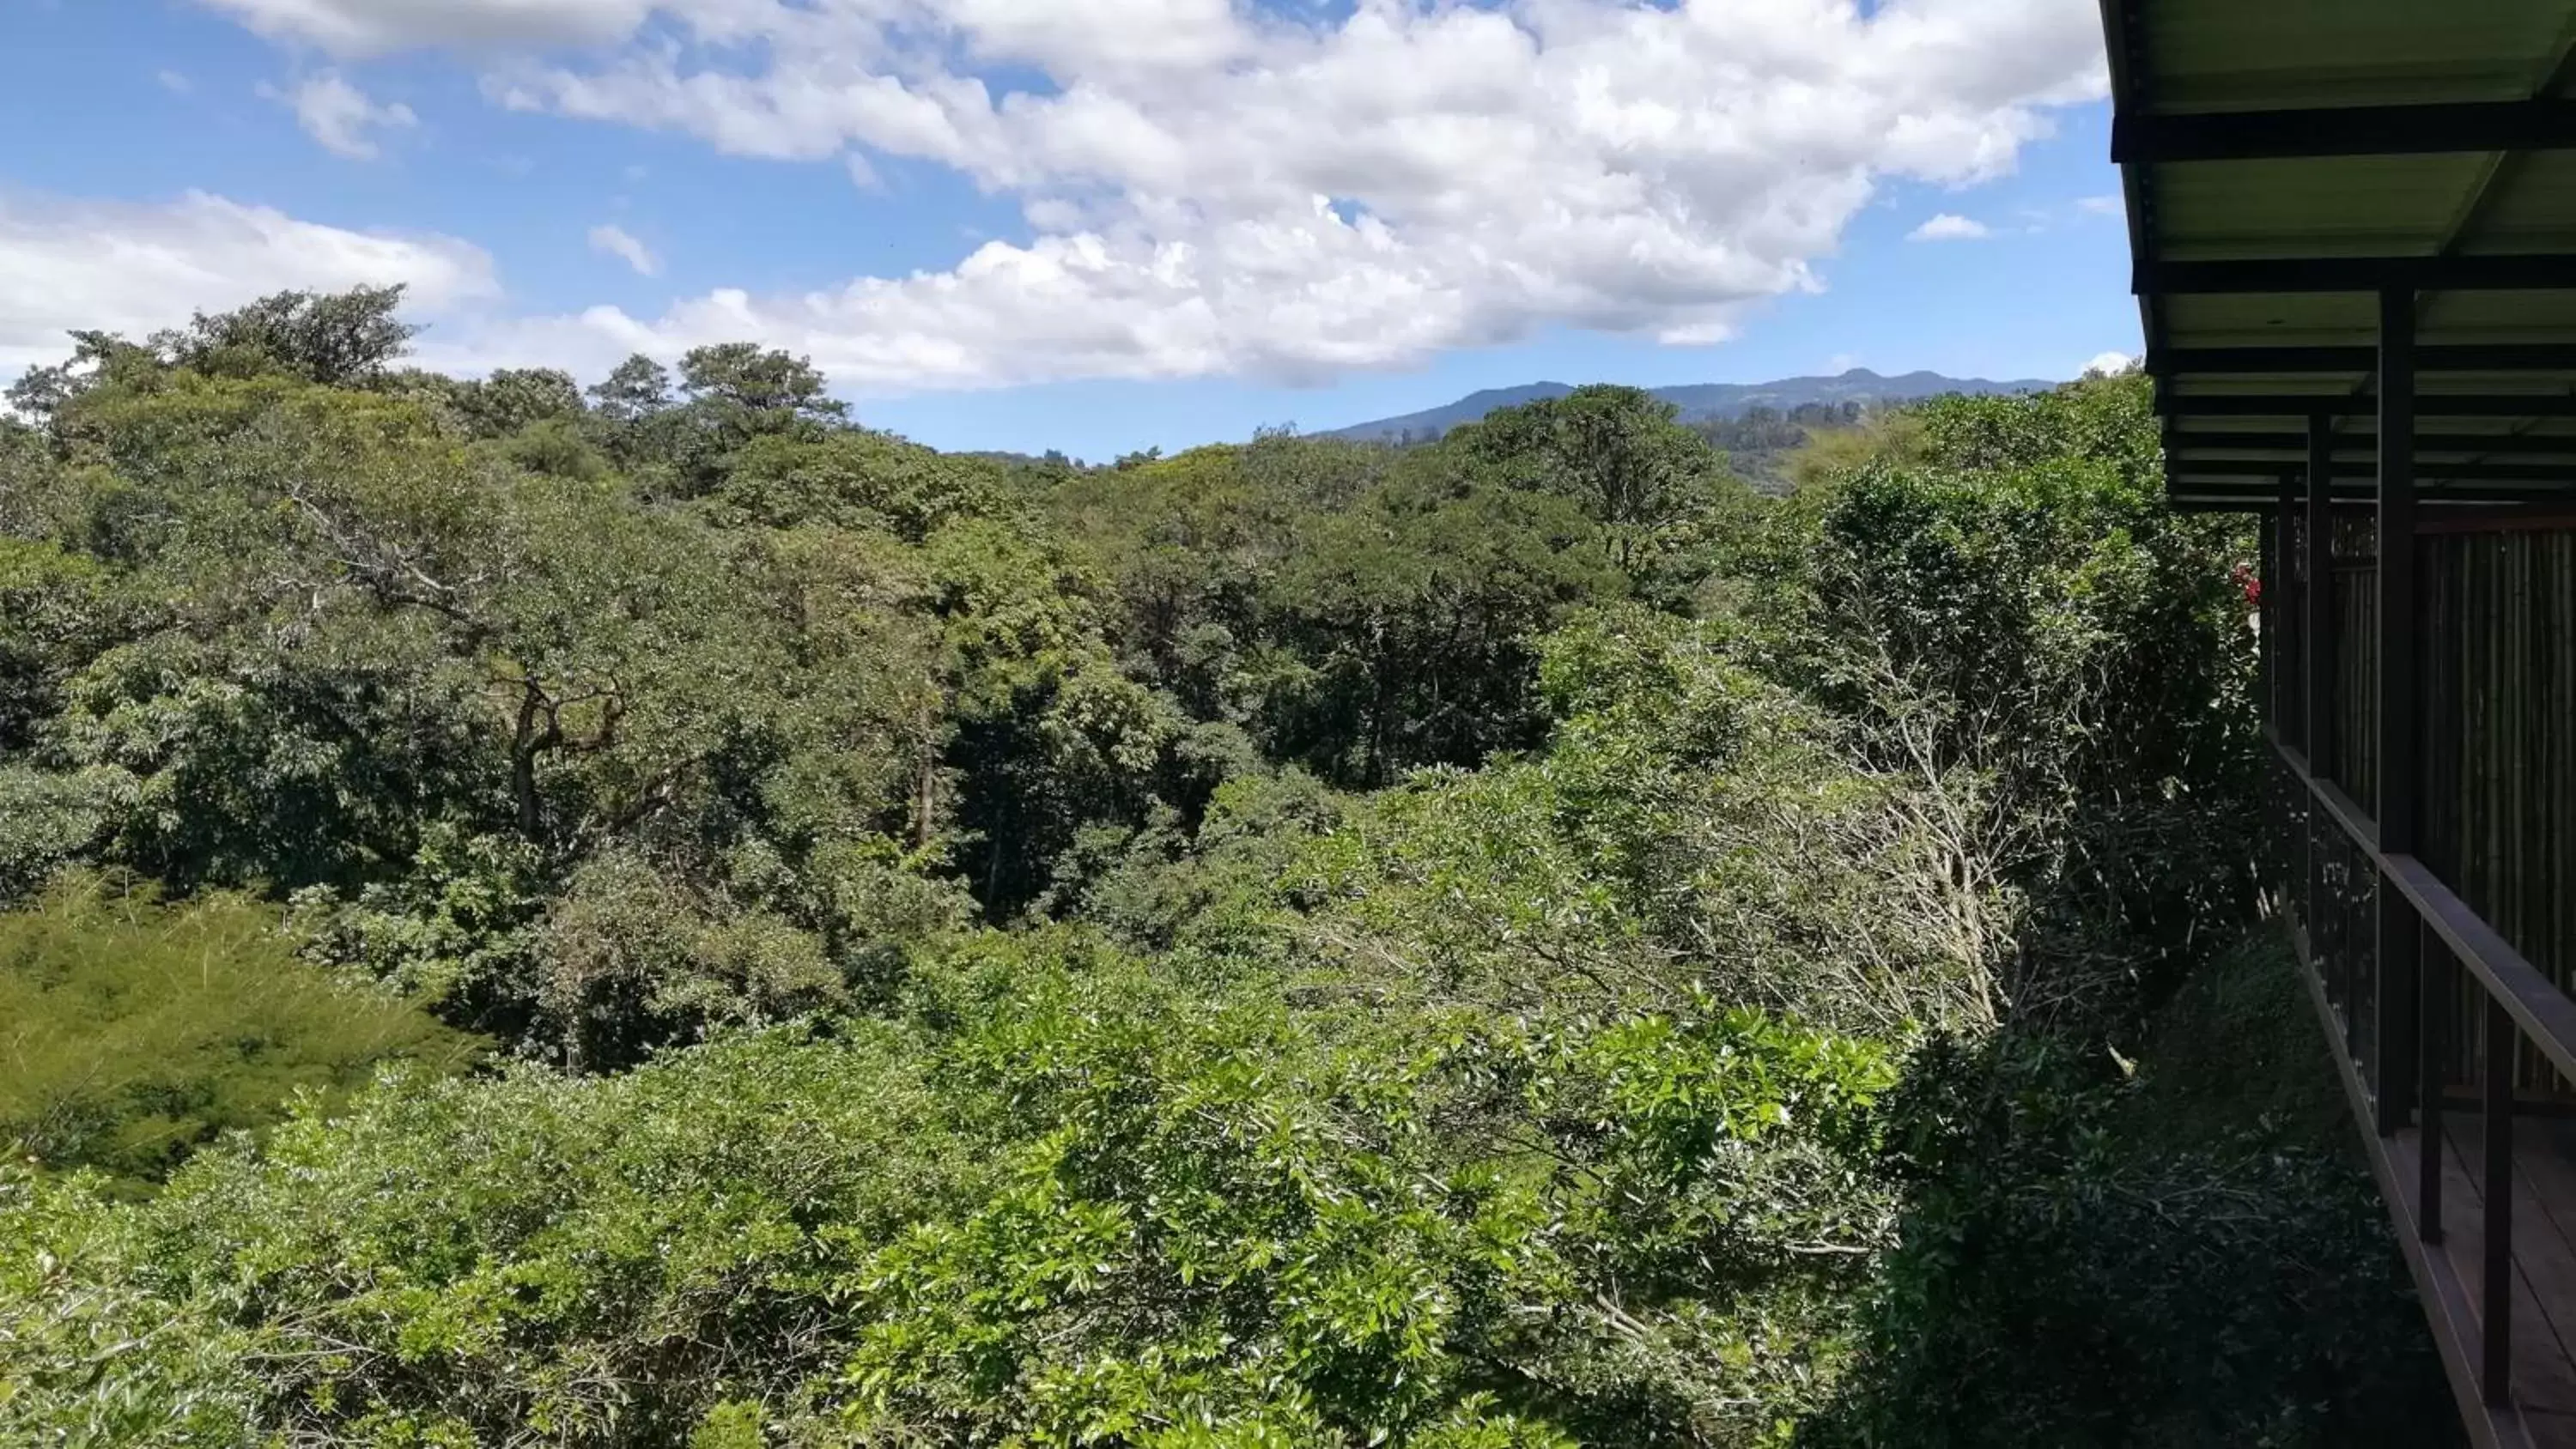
339, 115
134, 268
1949, 226
372, 27
1212, 187
174, 82
617, 241
2107, 363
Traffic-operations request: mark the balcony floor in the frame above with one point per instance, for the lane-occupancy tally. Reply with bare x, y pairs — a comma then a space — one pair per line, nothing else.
2544, 1297
2450, 1275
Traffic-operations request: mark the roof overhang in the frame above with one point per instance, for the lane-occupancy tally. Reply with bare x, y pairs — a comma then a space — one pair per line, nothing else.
2287, 163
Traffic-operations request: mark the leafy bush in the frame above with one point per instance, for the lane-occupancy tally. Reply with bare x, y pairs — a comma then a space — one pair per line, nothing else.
137, 1032
1070, 1204
2184, 1253
91, 1355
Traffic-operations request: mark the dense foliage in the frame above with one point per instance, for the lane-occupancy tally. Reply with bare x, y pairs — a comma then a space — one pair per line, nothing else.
137, 1032
1522, 941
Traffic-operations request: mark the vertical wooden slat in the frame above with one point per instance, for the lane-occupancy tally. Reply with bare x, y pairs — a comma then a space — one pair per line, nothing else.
2267, 652
2559, 637
2394, 764
2317, 655
2435, 967
2317, 626
2291, 611
2496, 1373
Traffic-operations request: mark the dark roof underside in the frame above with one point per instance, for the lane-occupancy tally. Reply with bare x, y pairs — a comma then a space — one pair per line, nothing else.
2284, 160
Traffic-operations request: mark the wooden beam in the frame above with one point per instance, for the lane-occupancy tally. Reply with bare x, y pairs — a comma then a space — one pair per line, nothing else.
2527, 125
2528, 271
2496, 518
2454, 357
2501, 170
2430, 405
2361, 493
2542, 1014
2294, 445
2558, 474
2440, 498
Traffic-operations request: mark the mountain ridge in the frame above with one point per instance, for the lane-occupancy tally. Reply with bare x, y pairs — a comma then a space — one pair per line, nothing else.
1698, 402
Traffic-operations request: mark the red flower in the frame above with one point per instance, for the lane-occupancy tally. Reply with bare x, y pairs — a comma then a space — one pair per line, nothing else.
2244, 577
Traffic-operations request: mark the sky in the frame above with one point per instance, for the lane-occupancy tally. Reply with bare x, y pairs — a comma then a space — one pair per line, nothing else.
1090, 225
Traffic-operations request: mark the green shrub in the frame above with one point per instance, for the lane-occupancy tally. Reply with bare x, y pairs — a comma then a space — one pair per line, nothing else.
136, 1031
2174, 1250
91, 1355
1072, 1204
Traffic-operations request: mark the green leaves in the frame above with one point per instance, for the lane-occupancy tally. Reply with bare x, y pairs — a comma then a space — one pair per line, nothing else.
1084, 1208
138, 1032
1430, 989
90, 1354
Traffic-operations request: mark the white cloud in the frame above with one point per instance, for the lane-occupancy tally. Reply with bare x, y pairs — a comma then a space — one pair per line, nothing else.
174, 82
1949, 226
618, 242
134, 268
2101, 205
339, 115
2109, 362
1215, 188
372, 27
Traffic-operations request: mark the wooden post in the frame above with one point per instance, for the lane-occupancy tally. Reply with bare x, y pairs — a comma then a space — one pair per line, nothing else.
2275, 614
2401, 775
2433, 972
2266, 529
2317, 645
2496, 1265
2317, 710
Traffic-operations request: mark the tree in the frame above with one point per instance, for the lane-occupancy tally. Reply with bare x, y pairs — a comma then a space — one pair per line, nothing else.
339, 339
729, 394
637, 389
1499, 944
759, 383
1617, 451
43, 392
513, 399
1408, 623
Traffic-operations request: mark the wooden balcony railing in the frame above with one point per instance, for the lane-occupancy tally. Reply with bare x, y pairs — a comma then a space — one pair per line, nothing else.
2451, 1033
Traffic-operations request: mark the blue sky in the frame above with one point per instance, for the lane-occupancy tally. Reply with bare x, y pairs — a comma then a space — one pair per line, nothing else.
1212, 219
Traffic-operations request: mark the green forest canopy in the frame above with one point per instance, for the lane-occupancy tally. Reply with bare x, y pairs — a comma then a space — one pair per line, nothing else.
1518, 941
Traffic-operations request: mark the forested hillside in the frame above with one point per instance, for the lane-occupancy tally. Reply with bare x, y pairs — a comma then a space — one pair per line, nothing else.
655, 914
1706, 405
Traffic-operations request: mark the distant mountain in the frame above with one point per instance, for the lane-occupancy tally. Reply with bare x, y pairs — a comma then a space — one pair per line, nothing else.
1421, 426
1700, 402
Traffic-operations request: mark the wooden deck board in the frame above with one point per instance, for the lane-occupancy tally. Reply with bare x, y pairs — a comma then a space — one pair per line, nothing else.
2544, 1298
2550, 1160
2544, 1372
2450, 1276
2543, 1249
